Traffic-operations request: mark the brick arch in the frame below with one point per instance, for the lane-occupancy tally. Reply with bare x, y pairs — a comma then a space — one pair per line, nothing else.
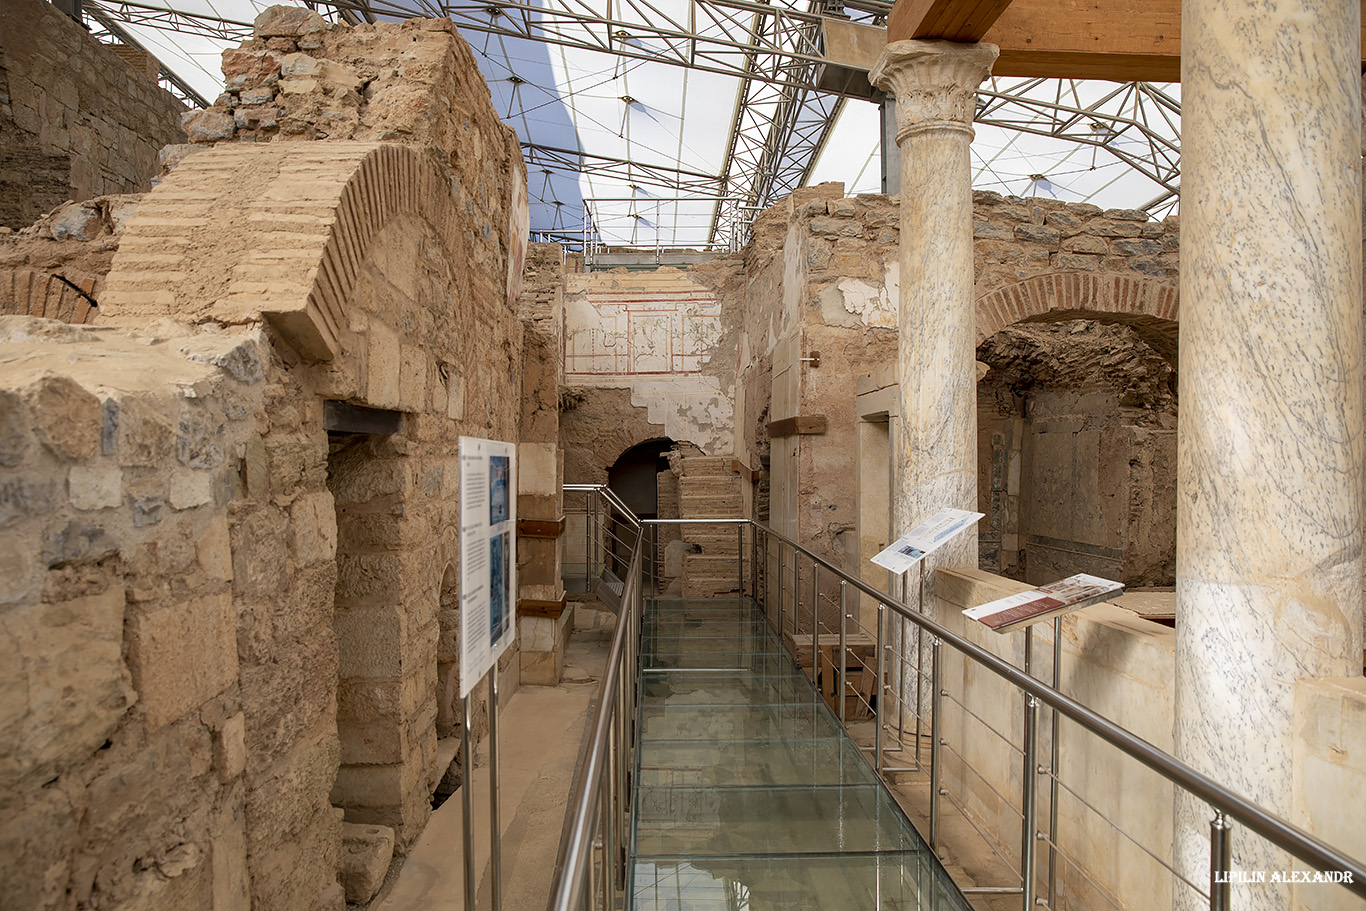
276, 232
1124, 297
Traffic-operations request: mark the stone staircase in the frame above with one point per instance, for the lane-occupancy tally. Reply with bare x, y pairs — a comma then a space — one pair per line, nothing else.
708, 487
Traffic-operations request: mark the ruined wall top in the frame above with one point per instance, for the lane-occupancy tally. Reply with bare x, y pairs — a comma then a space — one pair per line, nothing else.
76, 119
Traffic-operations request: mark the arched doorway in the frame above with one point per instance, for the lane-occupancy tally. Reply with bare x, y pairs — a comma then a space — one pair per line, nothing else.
634, 478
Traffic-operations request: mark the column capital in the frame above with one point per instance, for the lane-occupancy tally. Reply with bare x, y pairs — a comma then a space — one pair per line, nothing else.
934, 82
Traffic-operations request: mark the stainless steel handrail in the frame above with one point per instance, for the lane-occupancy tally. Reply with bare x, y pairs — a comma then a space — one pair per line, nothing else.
576, 852
1279, 832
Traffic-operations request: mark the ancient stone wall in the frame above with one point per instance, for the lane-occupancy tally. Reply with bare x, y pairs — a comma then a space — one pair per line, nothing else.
266, 571
76, 120
1077, 454
543, 622
823, 276
56, 267
647, 355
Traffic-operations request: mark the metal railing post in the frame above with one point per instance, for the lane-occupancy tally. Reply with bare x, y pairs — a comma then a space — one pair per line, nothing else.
495, 846
843, 669
782, 617
796, 592
919, 667
935, 702
754, 563
587, 542
740, 564
1053, 761
879, 688
1220, 860
1031, 777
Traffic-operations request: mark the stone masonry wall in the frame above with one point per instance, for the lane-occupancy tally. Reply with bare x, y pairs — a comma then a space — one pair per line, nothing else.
542, 620
822, 276
76, 121
169, 732
263, 618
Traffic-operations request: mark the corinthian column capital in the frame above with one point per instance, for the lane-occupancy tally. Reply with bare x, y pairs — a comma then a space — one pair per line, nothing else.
934, 82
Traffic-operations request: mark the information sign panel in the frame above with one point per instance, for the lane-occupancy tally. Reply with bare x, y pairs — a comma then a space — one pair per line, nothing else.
927, 537
488, 555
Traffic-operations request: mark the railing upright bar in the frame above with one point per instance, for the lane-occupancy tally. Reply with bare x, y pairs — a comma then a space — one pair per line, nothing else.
1055, 773
754, 564
879, 687
843, 659
936, 702
781, 600
1220, 861
1029, 783
740, 564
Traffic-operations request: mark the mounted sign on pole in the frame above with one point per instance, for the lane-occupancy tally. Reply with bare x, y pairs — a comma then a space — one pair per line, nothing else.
488, 600
488, 522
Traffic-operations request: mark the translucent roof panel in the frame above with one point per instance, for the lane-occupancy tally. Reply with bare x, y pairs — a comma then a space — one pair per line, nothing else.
613, 133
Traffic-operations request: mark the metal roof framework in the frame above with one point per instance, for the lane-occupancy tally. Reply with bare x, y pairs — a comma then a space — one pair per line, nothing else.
781, 121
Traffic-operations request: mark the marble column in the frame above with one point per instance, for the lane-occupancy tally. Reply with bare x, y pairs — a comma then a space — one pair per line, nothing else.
935, 85
1269, 540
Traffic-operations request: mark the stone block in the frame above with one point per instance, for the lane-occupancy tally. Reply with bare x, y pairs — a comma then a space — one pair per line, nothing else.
249, 67
313, 527
214, 551
298, 64
230, 748
77, 221
63, 685
69, 419
1038, 234
369, 642
39, 841
287, 22
382, 367
365, 857
208, 125
143, 437
95, 488
413, 379
260, 553
375, 786
14, 429
1083, 243
189, 489
537, 465
256, 95
256, 117
77, 542
287, 797
182, 655
985, 230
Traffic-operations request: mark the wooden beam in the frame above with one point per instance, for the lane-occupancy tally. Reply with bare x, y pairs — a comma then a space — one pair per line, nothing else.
540, 528
798, 426
528, 607
951, 20
1119, 40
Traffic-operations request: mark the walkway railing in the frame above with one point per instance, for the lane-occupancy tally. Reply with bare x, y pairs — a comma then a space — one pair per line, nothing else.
598, 848
591, 868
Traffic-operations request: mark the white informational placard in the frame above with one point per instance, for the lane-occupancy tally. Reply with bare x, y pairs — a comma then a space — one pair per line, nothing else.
927, 537
1045, 602
488, 558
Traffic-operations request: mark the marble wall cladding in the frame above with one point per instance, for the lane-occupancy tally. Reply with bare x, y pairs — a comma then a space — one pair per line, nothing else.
1270, 452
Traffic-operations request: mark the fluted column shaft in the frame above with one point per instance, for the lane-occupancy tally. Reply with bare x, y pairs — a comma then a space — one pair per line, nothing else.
1270, 436
935, 85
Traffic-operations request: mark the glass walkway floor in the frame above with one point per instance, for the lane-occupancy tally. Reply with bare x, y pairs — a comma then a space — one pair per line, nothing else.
748, 793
